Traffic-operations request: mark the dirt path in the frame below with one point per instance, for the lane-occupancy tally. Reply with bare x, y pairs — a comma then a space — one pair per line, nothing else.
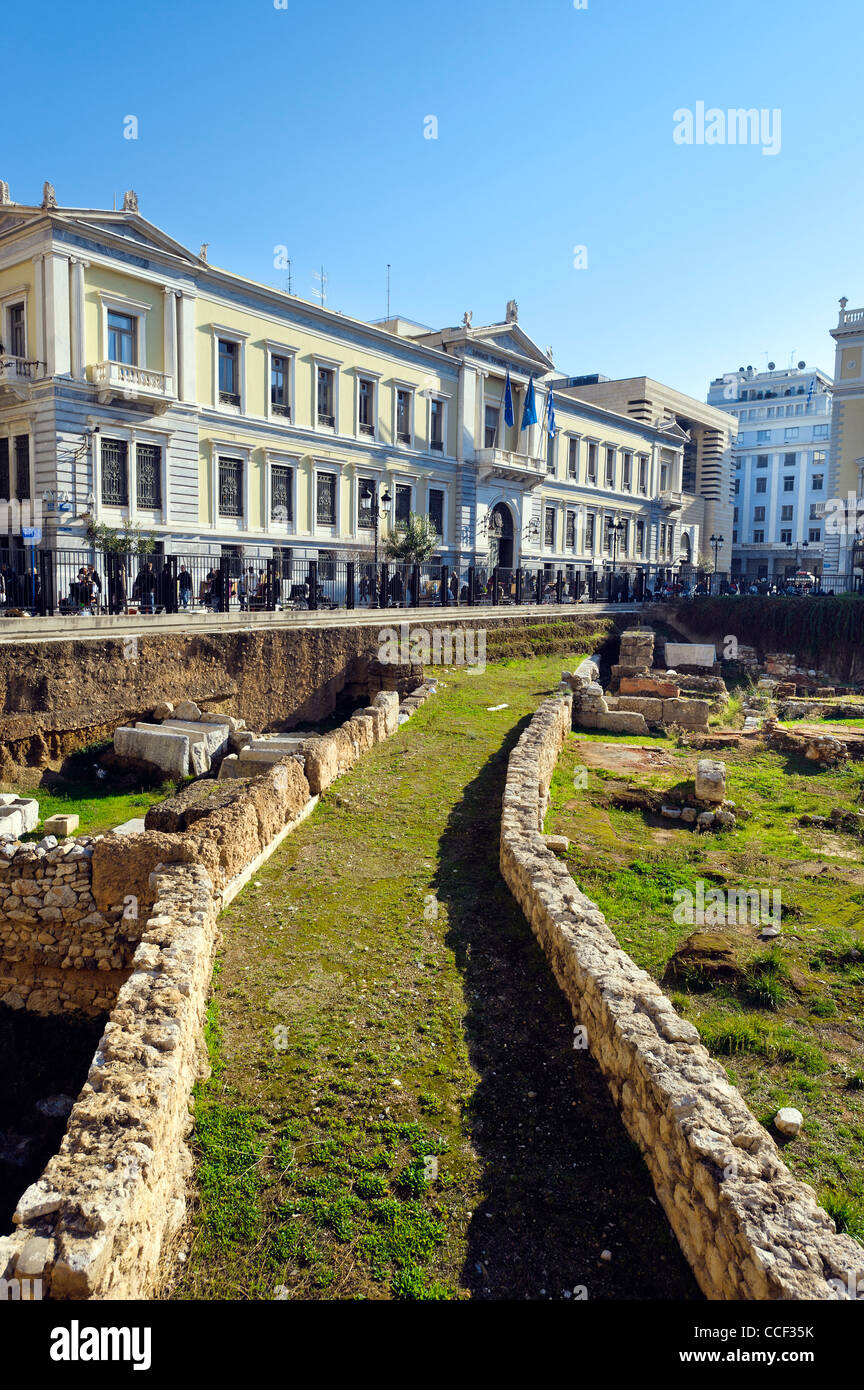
421, 1126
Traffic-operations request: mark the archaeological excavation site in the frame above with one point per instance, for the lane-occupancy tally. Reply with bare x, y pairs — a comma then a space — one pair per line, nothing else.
532, 972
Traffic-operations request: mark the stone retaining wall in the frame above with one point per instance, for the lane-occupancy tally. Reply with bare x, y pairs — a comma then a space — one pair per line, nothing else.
749, 1229
95, 1224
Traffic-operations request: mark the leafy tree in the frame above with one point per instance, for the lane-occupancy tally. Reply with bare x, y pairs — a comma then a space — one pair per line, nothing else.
131, 540
413, 543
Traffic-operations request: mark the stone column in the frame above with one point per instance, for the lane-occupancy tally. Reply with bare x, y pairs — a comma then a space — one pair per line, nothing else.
169, 337
78, 353
58, 346
186, 385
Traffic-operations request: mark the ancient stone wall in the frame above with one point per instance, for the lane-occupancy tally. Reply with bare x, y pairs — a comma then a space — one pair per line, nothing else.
95, 1223
749, 1229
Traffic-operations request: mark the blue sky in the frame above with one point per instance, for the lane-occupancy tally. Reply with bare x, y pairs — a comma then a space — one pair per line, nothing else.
304, 127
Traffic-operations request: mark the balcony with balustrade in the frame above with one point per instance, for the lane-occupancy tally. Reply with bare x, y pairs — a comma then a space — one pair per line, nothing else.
124, 382
509, 466
16, 376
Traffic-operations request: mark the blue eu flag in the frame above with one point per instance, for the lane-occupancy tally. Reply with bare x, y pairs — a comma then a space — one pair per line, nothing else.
529, 414
550, 416
509, 417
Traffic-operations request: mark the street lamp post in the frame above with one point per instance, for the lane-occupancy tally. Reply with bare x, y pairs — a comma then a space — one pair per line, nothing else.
617, 527
716, 542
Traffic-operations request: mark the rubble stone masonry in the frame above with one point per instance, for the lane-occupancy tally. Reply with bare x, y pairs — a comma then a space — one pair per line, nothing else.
749, 1229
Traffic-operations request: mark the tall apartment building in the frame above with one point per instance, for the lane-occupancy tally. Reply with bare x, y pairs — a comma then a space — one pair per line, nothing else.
780, 468
706, 435
141, 384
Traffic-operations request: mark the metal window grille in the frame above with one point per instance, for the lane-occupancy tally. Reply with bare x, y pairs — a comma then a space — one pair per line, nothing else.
436, 511
326, 500
148, 469
281, 493
115, 473
230, 487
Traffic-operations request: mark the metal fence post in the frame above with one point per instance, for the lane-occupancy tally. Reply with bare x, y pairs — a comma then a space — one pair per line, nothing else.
382, 590
349, 584
445, 586
470, 586
313, 584
46, 583
415, 586
559, 587
495, 587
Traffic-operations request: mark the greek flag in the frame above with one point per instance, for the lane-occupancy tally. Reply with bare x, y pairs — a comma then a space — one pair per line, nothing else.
550, 416
810, 393
509, 417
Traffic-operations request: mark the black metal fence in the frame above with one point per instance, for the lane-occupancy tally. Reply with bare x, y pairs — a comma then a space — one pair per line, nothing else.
64, 582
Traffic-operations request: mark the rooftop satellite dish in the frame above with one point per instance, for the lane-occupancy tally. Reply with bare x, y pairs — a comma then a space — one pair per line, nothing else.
741, 369
771, 366
801, 366
749, 368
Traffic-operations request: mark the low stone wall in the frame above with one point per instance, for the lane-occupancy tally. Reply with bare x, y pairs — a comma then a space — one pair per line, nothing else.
95, 1223
749, 1229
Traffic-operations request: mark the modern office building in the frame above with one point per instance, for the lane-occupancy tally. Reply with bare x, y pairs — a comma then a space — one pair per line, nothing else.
780, 468
141, 385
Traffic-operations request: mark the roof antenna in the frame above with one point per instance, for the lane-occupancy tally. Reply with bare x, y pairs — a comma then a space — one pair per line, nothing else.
322, 293
114, 201
388, 291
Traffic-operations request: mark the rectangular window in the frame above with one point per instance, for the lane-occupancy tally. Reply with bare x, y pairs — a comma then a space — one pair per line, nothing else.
279, 402
626, 471
326, 395
758, 513
325, 504
366, 503
790, 460
734, 537
403, 506
640, 537
791, 432
571, 531
122, 336
17, 335
787, 513
282, 493
789, 483
763, 436
436, 426
735, 515
818, 482
115, 473
4, 468
22, 467
820, 431
761, 460
736, 487
550, 453
492, 417
761, 484
549, 528
817, 509
229, 376
366, 408
148, 477
607, 534
591, 475
664, 477
573, 458
758, 537
590, 525
785, 537
610, 468
814, 534
403, 416
436, 510
230, 487
643, 475
818, 459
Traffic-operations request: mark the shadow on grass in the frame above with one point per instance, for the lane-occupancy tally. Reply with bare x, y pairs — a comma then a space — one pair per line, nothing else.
563, 1180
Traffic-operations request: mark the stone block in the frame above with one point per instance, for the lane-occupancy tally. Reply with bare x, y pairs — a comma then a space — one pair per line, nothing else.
650, 686
637, 648
213, 736
61, 824
167, 751
388, 701
28, 808
187, 709
230, 767
11, 821
689, 714
130, 827
711, 781
652, 709
690, 654
163, 710
622, 722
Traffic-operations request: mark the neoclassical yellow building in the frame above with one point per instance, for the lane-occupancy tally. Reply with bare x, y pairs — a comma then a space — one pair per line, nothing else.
140, 384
